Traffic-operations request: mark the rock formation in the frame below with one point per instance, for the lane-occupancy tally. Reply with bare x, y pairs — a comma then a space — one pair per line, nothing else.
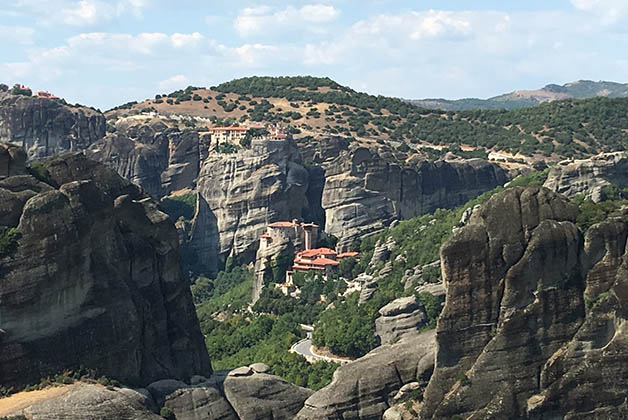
365, 389
515, 339
401, 318
158, 158
240, 194
364, 192
94, 402
242, 394
48, 127
94, 279
589, 176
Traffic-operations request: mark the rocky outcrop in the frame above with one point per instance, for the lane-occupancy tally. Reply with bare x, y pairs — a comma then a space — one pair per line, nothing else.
158, 158
589, 176
47, 127
94, 280
241, 394
366, 388
403, 317
240, 194
514, 339
94, 402
364, 192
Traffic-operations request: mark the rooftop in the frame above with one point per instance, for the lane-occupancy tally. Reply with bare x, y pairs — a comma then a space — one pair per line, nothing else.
230, 128
316, 251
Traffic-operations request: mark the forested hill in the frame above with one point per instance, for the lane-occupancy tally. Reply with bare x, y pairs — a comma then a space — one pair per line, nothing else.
581, 89
318, 107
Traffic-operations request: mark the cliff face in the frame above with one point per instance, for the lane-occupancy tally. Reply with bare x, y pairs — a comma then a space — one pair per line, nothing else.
93, 280
348, 190
157, 158
515, 338
364, 192
240, 194
45, 127
589, 175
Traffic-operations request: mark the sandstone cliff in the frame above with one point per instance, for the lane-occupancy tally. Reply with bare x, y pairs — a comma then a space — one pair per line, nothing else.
240, 194
515, 338
93, 280
589, 176
47, 127
158, 158
365, 190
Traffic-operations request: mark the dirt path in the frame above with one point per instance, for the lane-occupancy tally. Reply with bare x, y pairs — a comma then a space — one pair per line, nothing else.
17, 402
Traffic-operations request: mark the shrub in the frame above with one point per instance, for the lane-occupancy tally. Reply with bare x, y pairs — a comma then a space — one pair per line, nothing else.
9, 241
167, 413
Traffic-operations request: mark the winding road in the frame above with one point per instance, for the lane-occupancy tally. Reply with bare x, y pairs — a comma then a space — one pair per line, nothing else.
304, 348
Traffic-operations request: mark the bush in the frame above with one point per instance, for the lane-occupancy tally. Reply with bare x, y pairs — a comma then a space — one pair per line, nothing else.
167, 413
9, 241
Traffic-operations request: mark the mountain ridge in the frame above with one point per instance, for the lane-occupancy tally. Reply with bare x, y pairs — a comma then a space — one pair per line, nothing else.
580, 89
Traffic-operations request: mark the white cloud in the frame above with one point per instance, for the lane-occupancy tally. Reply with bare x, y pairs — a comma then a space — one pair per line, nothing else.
262, 20
85, 12
174, 82
17, 34
610, 11
77, 12
255, 54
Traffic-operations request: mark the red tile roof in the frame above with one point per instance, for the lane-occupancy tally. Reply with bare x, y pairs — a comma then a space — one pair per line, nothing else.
282, 224
231, 128
316, 251
348, 254
324, 261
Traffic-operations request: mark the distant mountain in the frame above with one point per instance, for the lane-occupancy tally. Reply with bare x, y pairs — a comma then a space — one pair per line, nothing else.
582, 89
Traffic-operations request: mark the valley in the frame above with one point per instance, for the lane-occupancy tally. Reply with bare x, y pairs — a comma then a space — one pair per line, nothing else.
180, 244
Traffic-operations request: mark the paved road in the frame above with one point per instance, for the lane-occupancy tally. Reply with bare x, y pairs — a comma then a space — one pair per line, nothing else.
304, 348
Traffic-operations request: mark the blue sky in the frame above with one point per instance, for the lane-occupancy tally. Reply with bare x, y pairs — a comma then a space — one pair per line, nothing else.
104, 53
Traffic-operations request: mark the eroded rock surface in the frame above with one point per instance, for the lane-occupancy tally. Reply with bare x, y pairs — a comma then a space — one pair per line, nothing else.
365, 389
240, 194
401, 318
589, 176
94, 402
94, 280
514, 339
364, 192
158, 158
47, 127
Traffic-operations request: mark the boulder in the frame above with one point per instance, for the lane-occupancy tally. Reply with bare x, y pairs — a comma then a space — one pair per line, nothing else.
264, 397
401, 318
200, 403
364, 389
94, 402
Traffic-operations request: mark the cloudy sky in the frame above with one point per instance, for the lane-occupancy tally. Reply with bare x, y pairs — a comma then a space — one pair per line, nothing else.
106, 52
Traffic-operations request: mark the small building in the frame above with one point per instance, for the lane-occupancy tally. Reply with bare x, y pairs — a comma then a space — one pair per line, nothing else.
230, 134
303, 235
323, 260
45, 94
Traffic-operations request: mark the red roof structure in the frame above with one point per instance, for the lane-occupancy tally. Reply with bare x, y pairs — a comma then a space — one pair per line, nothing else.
348, 254
229, 128
308, 253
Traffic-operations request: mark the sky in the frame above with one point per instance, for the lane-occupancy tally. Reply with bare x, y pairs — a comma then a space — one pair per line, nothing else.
104, 53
